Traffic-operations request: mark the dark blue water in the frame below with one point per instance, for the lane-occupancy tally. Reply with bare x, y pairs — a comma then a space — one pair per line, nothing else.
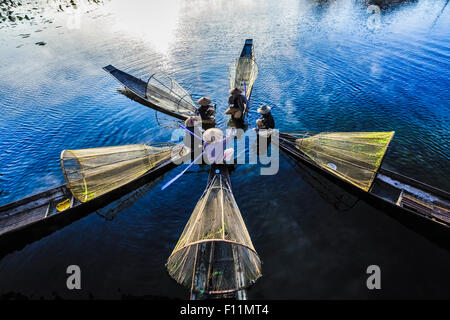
321, 67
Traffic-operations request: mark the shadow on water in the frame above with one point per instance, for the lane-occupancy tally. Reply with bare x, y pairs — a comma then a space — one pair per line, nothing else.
322, 69
343, 199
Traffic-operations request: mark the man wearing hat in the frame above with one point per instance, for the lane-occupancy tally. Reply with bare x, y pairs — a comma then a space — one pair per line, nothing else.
205, 110
266, 120
236, 103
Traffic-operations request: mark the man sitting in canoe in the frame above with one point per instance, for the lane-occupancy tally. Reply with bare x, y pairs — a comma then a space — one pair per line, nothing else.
236, 103
266, 120
204, 115
206, 111
214, 147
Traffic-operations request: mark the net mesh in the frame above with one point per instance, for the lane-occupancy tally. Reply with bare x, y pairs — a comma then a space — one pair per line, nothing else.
92, 172
352, 156
215, 253
166, 93
243, 73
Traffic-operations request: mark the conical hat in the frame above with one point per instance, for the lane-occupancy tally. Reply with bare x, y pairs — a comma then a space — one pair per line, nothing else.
204, 101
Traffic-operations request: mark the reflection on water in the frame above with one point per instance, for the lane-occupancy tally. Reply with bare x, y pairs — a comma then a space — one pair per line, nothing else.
321, 68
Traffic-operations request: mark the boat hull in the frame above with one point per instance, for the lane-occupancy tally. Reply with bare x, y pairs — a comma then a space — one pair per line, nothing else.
432, 229
200, 277
246, 53
16, 238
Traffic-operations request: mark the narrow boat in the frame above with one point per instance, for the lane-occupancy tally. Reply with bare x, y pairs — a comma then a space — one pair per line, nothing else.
160, 92
214, 256
91, 183
244, 71
353, 161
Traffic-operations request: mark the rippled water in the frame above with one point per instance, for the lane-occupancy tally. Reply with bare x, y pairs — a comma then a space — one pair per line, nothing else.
321, 67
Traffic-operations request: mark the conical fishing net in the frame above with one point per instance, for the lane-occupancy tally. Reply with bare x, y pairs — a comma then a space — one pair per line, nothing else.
166, 93
215, 253
243, 73
92, 172
352, 156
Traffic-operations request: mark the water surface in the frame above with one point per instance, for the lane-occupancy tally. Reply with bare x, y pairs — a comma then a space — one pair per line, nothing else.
322, 68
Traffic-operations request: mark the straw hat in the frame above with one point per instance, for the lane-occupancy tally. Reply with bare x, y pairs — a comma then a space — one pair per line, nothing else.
193, 121
264, 109
235, 91
204, 101
212, 135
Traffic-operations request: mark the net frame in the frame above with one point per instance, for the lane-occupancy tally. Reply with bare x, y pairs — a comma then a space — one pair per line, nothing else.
165, 92
242, 249
80, 168
369, 161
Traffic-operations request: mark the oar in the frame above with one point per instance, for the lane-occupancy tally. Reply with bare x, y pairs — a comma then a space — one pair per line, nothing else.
186, 129
439, 15
190, 165
181, 173
246, 101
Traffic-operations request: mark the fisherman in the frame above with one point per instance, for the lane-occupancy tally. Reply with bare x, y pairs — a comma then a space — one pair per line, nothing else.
215, 147
206, 111
266, 120
204, 115
236, 104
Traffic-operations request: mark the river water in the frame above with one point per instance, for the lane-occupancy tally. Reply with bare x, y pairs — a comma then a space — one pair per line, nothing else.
330, 67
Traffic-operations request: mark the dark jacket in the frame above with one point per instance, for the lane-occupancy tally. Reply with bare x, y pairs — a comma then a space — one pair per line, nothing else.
268, 121
237, 102
203, 112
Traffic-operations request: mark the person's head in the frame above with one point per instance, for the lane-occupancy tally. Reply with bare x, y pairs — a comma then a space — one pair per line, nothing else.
235, 91
212, 135
204, 101
264, 109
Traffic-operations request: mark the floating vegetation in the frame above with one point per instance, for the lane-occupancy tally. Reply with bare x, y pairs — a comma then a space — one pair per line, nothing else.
41, 43
13, 12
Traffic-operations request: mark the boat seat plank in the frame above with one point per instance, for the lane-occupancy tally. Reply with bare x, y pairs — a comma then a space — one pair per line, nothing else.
408, 201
